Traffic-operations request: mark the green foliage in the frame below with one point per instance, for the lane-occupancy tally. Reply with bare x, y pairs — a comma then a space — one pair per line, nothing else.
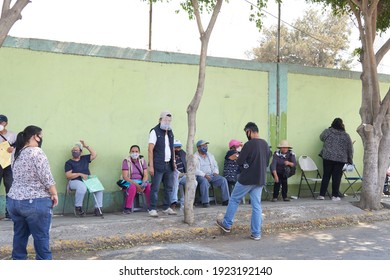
317, 40
343, 6
205, 6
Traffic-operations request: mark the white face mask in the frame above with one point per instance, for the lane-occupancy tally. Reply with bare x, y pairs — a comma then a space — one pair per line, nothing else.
134, 155
1, 127
239, 149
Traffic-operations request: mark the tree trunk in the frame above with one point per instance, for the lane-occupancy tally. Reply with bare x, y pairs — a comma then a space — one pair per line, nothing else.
374, 129
9, 16
191, 183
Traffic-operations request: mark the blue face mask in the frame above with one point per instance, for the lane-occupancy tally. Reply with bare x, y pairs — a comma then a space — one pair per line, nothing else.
204, 150
165, 126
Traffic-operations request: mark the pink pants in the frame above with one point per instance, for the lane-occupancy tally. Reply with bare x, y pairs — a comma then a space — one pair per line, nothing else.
130, 195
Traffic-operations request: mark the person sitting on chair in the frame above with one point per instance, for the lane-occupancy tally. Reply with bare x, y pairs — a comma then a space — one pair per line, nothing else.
135, 172
386, 186
230, 166
282, 162
77, 169
208, 172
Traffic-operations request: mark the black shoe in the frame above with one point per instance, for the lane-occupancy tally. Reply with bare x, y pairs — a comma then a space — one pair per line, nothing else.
286, 199
225, 203
225, 229
98, 212
173, 205
386, 193
78, 211
206, 205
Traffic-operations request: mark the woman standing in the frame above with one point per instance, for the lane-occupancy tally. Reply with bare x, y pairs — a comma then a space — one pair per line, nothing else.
336, 152
32, 196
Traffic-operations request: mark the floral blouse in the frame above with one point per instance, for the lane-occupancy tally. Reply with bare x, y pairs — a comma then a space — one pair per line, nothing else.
31, 174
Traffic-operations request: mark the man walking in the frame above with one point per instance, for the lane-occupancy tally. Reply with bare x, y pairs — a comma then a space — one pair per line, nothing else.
161, 163
253, 162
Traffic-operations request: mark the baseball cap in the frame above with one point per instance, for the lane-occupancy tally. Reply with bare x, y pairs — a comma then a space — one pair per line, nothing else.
201, 142
165, 114
234, 142
177, 143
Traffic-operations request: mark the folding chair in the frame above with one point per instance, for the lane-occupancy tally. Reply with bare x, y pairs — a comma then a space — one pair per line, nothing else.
308, 166
352, 176
269, 185
68, 193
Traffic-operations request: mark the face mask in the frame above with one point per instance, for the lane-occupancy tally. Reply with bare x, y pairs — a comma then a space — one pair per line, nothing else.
40, 142
76, 154
204, 150
165, 126
239, 149
134, 155
1, 127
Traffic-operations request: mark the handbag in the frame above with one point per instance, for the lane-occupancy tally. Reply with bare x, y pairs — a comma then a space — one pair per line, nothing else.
93, 184
289, 171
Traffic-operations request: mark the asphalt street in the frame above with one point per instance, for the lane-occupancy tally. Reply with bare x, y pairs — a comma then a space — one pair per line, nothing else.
360, 242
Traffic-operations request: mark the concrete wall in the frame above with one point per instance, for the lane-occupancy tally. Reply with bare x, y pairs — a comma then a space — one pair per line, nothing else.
111, 97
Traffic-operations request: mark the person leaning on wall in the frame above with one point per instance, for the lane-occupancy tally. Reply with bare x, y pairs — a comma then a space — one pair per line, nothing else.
32, 196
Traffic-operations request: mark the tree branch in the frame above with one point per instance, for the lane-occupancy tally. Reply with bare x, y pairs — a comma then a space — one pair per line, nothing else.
195, 4
383, 108
373, 7
214, 16
6, 7
382, 52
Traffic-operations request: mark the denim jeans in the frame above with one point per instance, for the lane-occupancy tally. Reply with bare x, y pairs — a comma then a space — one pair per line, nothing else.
167, 178
31, 217
239, 191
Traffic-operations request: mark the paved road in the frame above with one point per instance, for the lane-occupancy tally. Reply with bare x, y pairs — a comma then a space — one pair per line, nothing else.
364, 241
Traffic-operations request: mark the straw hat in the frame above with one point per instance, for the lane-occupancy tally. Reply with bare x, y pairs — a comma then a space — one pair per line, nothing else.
284, 144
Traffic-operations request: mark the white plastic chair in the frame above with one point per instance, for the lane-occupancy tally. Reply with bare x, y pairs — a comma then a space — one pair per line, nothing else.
308, 168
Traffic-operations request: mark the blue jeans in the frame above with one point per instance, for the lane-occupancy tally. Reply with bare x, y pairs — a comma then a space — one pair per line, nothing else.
239, 191
217, 181
167, 178
31, 217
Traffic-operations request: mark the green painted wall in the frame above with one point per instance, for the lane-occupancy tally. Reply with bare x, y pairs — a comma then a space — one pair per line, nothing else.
113, 103
111, 97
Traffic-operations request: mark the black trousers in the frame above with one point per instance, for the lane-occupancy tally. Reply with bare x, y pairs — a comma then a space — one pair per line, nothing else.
332, 169
6, 174
283, 182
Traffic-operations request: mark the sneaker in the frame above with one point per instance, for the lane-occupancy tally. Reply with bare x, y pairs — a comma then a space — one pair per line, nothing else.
169, 211
206, 205
274, 200
78, 211
221, 226
153, 213
335, 198
98, 212
225, 203
257, 238
173, 206
320, 197
126, 211
286, 199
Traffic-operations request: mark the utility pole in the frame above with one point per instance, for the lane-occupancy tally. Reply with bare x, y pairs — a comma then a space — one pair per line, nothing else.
150, 24
278, 120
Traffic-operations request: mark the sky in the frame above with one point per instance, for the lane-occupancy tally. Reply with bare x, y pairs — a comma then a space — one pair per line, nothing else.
125, 23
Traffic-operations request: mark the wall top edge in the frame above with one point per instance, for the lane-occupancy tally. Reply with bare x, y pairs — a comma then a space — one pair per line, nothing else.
82, 49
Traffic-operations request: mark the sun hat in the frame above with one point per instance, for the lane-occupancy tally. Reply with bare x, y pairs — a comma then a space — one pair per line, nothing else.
284, 144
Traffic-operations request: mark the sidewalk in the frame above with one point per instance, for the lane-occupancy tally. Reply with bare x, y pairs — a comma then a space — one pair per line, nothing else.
118, 231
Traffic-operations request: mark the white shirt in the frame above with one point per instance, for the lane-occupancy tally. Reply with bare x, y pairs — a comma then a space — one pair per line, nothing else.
10, 136
153, 140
